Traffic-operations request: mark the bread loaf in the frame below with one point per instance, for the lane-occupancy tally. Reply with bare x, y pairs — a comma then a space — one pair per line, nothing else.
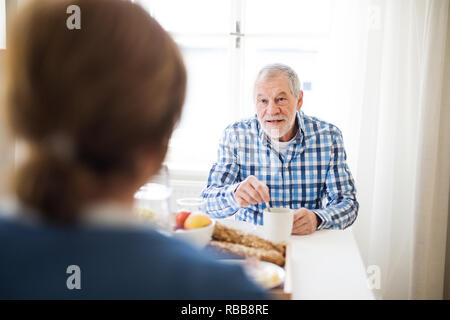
240, 250
230, 240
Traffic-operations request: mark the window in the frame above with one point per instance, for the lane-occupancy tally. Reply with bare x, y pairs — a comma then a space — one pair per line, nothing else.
224, 44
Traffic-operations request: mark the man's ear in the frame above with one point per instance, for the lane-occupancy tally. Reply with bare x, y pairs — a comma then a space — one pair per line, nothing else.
300, 101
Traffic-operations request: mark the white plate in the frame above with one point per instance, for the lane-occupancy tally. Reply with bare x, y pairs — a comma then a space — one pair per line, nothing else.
267, 275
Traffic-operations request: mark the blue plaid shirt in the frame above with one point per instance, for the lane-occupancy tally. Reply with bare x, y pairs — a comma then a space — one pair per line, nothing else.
313, 173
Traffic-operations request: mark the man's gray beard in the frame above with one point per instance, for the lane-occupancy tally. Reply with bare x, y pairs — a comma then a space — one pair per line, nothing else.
276, 134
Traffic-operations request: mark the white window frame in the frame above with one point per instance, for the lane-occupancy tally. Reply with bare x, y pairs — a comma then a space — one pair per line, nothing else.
237, 34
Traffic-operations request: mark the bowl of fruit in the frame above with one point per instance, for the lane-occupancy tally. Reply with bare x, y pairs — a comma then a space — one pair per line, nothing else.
194, 228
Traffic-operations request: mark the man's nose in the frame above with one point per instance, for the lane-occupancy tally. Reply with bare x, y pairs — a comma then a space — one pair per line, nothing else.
272, 108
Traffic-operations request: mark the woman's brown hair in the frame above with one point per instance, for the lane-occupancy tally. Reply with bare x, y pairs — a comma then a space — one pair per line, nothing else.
88, 101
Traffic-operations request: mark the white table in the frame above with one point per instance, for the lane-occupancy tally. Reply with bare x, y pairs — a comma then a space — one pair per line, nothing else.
326, 265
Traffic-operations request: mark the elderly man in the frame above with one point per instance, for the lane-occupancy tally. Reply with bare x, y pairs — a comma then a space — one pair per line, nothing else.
283, 158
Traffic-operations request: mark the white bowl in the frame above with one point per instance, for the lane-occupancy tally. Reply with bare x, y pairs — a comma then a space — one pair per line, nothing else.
198, 237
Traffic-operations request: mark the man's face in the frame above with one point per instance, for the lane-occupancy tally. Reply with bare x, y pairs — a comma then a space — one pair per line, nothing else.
276, 107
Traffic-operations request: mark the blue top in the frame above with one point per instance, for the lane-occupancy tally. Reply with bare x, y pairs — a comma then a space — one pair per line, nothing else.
114, 263
313, 173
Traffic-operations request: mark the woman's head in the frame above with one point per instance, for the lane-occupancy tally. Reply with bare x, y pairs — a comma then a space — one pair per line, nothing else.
93, 104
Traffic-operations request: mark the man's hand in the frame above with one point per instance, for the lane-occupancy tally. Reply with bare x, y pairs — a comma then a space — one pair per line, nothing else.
305, 222
251, 191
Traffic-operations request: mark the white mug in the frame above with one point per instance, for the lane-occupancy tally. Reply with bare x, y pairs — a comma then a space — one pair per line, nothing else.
278, 224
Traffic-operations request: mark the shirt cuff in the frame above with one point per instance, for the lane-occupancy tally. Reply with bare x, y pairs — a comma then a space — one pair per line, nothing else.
325, 217
229, 196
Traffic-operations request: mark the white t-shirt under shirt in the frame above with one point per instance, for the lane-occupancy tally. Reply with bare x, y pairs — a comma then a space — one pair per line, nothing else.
281, 147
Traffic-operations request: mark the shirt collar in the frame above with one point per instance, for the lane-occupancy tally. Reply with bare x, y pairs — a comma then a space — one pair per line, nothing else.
299, 135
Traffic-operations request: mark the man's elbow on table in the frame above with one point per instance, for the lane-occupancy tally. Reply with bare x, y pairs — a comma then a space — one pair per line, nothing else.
353, 214
340, 219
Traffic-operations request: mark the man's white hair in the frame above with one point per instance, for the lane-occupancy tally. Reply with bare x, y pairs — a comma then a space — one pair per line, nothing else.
274, 69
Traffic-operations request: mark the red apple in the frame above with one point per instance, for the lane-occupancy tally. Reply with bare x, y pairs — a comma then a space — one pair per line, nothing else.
181, 218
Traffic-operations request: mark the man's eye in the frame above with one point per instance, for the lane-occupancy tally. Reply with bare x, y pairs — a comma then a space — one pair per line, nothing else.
263, 100
281, 99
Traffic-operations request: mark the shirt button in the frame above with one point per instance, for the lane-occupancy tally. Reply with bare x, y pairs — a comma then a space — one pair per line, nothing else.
286, 165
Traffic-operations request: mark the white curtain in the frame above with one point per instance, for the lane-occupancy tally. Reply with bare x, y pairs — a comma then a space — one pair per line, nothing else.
400, 149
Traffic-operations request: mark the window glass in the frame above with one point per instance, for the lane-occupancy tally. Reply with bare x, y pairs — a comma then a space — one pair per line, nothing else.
207, 106
288, 16
193, 16
221, 74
